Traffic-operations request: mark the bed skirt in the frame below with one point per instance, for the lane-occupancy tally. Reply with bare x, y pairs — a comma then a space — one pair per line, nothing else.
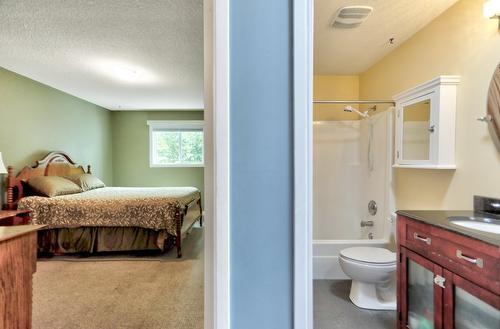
102, 239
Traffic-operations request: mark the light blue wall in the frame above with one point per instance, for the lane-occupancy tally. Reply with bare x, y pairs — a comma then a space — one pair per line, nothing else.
261, 164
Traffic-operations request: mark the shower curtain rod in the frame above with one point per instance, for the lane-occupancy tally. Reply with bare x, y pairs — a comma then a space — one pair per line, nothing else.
354, 102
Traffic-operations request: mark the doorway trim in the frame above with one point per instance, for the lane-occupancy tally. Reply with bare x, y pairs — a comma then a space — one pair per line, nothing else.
216, 116
217, 239
302, 132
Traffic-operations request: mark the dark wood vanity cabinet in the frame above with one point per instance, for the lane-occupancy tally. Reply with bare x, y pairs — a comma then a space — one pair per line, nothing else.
445, 279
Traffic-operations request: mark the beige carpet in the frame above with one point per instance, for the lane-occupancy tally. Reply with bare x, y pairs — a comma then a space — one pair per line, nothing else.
121, 291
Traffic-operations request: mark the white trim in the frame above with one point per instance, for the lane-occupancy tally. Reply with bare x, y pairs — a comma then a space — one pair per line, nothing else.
176, 165
176, 124
424, 166
421, 88
155, 110
217, 269
303, 123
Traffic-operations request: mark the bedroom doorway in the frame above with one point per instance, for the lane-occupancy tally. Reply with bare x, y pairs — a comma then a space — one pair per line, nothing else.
91, 67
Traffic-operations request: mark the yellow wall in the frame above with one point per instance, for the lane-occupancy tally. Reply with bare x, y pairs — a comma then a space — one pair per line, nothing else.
460, 41
335, 87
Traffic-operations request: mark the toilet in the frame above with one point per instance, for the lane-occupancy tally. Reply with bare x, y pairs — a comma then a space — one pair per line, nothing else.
372, 271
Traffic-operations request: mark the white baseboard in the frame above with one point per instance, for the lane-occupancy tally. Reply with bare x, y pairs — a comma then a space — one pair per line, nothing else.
327, 268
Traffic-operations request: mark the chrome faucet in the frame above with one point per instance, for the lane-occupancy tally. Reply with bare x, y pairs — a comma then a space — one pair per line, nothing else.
366, 223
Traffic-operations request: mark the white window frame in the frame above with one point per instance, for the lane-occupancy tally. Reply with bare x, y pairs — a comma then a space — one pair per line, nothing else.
173, 125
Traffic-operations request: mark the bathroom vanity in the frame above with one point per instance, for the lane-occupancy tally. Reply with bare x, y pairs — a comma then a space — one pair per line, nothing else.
448, 269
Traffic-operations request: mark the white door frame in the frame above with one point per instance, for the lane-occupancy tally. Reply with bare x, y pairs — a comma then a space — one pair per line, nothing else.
216, 116
303, 123
217, 242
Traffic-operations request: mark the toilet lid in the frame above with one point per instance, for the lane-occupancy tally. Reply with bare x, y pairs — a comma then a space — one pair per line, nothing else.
369, 255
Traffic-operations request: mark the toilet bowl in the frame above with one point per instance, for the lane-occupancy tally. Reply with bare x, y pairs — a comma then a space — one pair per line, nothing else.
372, 271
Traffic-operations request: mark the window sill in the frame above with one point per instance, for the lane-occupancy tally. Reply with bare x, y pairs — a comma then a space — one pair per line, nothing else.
176, 165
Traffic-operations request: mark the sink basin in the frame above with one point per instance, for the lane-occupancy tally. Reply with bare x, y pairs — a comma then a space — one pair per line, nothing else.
478, 223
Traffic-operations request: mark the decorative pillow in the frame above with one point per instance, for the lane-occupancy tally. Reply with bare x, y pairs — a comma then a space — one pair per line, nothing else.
53, 186
87, 182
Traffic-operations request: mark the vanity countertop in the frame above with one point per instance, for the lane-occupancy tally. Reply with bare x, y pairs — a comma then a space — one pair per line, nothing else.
439, 218
10, 232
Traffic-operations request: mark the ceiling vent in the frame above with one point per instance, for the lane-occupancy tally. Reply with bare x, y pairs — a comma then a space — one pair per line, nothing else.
351, 16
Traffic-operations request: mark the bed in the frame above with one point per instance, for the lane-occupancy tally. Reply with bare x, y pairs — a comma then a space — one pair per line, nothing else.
103, 219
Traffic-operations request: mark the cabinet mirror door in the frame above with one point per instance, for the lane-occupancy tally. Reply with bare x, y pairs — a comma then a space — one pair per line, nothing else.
417, 130
470, 306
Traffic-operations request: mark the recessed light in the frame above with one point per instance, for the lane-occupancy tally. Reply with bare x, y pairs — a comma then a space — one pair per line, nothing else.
125, 73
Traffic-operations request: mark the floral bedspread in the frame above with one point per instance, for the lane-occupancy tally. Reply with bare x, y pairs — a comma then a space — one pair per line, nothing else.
151, 208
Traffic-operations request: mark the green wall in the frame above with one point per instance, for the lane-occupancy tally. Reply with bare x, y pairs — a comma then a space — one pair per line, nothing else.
36, 119
131, 151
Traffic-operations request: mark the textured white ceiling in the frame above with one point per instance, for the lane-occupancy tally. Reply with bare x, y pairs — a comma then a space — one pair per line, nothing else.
69, 45
353, 51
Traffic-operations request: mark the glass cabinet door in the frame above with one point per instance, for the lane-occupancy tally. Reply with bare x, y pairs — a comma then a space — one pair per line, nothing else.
472, 307
421, 296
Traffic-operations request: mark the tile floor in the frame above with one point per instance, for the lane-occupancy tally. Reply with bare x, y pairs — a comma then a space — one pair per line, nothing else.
334, 310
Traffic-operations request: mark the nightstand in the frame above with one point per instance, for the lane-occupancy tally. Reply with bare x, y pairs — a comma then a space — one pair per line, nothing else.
18, 259
14, 217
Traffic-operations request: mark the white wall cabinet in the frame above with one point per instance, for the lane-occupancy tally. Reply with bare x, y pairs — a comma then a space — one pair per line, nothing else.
425, 125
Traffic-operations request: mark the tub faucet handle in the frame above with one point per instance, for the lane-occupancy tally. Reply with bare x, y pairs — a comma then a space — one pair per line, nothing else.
367, 223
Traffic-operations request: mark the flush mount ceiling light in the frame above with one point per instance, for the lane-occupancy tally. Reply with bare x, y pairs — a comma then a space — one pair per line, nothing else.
124, 72
491, 9
350, 17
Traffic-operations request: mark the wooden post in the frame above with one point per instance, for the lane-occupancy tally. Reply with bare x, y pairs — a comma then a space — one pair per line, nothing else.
178, 224
201, 212
10, 188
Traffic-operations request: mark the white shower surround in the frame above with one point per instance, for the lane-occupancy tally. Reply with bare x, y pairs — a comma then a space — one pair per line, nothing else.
343, 184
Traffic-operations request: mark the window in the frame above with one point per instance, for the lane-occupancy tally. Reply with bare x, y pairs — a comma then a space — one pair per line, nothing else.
175, 143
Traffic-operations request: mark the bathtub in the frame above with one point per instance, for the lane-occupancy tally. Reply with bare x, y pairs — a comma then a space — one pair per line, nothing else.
326, 252
326, 256
350, 169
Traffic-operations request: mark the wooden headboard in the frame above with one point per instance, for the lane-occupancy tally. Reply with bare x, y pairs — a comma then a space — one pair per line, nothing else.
53, 164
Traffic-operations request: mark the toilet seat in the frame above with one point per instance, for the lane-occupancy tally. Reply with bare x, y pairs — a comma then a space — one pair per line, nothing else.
369, 255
